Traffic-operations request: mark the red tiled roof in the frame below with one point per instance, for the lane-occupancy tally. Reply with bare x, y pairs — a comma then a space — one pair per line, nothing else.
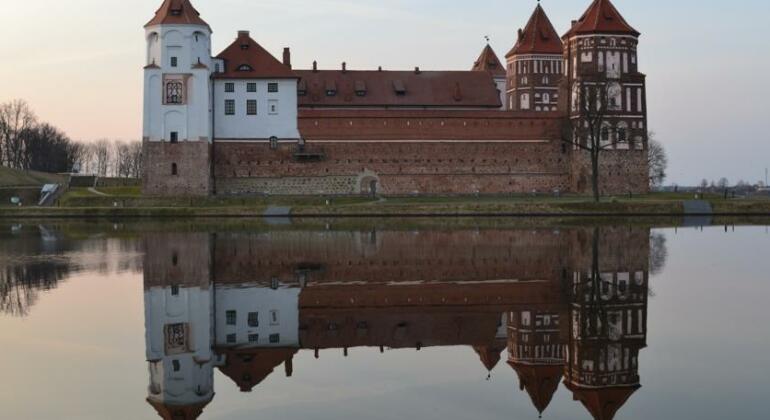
538, 37
540, 381
246, 53
178, 412
249, 367
603, 18
490, 354
421, 89
602, 403
177, 12
489, 62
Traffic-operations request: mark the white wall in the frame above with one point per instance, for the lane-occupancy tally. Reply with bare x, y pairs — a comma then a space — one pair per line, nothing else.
264, 125
250, 298
194, 381
190, 44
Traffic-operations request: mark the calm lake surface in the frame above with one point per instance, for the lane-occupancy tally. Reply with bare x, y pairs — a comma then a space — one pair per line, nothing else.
366, 320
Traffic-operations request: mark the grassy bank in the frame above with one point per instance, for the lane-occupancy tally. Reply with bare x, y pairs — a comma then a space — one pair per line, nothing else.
128, 202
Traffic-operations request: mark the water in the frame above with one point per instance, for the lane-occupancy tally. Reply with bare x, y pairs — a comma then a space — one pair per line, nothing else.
355, 319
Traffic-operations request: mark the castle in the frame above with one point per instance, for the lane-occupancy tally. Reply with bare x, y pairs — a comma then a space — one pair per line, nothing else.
245, 123
563, 306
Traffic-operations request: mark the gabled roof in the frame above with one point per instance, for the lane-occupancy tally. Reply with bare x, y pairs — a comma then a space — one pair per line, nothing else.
249, 367
602, 403
246, 59
422, 89
177, 12
602, 18
489, 62
538, 37
540, 381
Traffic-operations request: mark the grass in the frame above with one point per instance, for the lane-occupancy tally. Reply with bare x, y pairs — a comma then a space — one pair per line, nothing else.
15, 178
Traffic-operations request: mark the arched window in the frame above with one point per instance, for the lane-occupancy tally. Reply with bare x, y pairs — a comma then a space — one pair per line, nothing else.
174, 92
174, 170
525, 101
245, 67
546, 99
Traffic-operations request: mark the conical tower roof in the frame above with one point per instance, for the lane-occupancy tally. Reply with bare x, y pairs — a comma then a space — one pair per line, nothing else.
540, 381
602, 18
602, 403
490, 354
489, 62
177, 12
538, 37
178, 412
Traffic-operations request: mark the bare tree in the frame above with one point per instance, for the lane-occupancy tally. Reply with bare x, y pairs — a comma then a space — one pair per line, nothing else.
658, 252
657, 161
723, 183
16, 117
101, 157
595, 100
704, 184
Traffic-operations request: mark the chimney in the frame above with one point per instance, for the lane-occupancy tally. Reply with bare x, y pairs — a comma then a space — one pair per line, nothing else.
521, 33
243, 33
315, 66
344, 67
417, 70
379, 68
287, 57
574, 22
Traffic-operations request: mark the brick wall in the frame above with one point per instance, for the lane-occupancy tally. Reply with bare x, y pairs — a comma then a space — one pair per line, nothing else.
620, 171
192, 168
399, 168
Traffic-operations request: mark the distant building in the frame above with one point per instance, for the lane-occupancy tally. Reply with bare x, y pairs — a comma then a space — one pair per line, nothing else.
243, 122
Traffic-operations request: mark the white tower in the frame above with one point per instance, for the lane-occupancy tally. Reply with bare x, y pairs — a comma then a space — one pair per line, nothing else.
177, 101
178, 307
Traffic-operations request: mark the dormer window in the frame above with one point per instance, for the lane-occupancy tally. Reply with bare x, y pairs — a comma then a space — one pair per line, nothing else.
399, 87
245, 67
360, 88
244, 46
331, 88
302, 88
176, 12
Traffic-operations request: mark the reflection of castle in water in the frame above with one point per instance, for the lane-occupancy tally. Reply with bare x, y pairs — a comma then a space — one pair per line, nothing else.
569, 306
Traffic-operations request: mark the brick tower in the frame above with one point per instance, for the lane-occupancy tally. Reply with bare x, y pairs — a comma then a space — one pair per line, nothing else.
177, 119
600, 53
535, 66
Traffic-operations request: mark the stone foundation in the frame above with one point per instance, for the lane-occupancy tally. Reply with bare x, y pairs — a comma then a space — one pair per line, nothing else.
192, 163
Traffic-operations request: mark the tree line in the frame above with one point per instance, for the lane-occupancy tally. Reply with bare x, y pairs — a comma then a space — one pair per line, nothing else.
32, 145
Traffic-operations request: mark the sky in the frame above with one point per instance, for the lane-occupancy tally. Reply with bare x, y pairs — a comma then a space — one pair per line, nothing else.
79, 63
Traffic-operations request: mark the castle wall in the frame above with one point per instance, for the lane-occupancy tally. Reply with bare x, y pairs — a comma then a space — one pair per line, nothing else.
192, 168
621, 172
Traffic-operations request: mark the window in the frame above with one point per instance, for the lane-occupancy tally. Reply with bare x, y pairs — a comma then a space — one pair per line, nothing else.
174, 290
273, 107
174, 137
524, 101
229, 107
174, 92
546, 98
229, 87
251, 87
176, 365
174, 170
275, 338
230, 317
251, 107
273, 317
273, 143
174, 61
253, 319
253, 338
231, 338
605, 136
245, 67
272, 87
274, 283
